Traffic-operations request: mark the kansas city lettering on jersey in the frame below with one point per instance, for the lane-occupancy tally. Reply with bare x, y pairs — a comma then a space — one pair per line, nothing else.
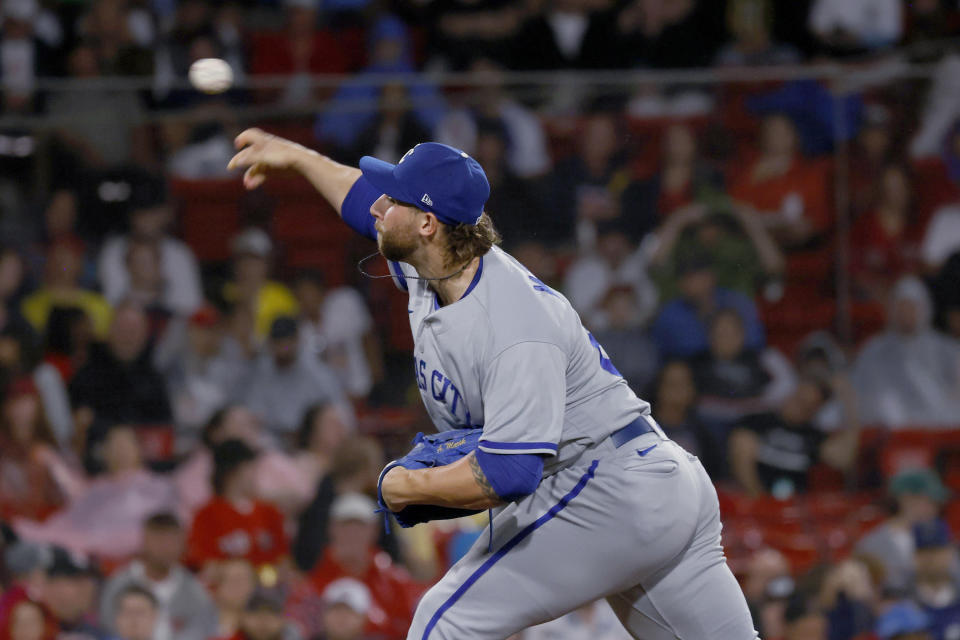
443, 391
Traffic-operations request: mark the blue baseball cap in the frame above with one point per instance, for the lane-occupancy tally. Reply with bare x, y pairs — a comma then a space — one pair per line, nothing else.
433, 177
901, 617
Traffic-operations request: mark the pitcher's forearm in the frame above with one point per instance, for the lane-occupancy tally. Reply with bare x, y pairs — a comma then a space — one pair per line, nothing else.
332, 179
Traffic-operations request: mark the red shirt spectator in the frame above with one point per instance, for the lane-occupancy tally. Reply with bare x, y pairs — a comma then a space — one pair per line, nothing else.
234, 523
352, 554
26, 615
28, 485
790, 192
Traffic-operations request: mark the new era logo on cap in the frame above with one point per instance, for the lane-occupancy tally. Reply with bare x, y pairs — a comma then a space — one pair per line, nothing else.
438, 178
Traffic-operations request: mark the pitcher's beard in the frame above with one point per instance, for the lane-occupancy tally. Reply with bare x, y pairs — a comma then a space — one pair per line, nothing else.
395, 247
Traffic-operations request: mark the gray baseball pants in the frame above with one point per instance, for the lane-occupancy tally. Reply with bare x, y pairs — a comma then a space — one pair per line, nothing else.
638, 525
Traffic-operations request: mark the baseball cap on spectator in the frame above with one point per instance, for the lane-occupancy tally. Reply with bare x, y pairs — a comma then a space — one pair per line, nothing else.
919, 481
283, 327
65, 564
353, 506
433, 177
206, 316
899, 618
349, 592
24, 557
252, 242
932, 534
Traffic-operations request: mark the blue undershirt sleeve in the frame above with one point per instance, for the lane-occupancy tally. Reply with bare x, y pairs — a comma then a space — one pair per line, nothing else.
512, 476
355, 209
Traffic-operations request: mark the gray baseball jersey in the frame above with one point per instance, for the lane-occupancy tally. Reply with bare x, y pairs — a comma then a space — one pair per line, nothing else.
512, 356
638, 524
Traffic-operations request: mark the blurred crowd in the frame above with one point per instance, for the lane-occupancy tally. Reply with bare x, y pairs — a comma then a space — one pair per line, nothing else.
198, 389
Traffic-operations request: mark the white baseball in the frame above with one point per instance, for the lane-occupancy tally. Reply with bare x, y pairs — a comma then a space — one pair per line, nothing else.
211, 75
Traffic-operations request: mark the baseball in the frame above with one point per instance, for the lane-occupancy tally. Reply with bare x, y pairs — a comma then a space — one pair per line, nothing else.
211, 75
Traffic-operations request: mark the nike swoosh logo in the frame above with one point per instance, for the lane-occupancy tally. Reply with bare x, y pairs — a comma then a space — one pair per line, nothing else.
409, 310
647, 450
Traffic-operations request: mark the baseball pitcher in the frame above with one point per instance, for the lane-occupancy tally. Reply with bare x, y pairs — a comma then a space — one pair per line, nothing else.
591, 499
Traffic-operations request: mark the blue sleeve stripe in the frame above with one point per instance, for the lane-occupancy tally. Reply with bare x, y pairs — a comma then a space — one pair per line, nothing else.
513, 542
355, 209
398, 276
518, 447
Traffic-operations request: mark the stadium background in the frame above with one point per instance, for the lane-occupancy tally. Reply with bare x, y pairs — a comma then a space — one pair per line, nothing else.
752, 204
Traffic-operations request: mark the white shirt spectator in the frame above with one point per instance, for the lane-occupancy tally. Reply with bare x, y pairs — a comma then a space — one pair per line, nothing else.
590, 277
876, 23
942, 238
182, 293
338, 339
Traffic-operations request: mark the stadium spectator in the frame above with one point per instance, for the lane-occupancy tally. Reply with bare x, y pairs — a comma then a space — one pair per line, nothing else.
263, 619
618, 326
68, 596
910, 373
614, 261
136, 613
233, 582
767, 585
27, 620
119, 383
885, 242
35, 480
515, 203
788, 192
820, 355
591, 185
391, 52
682, 179
595, 620
201, 368
461, 32
122, 35
491, 107
354, 468
749, 23
335, 324
346, 603
13, 284
848, 597
935, 585
251, 287
286, 381
27, 53
106, 518
61, 288
393, 131
182, 608
871, 154
773, 452
235, 523
917, 497
856, 26
803, 619
291, 481
903, 621
681, 328
733, 380
177, 285
744, 254
104, 123
353, 553
674, 399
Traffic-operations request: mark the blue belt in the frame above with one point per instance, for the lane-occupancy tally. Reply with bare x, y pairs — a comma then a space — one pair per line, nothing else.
623, 435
